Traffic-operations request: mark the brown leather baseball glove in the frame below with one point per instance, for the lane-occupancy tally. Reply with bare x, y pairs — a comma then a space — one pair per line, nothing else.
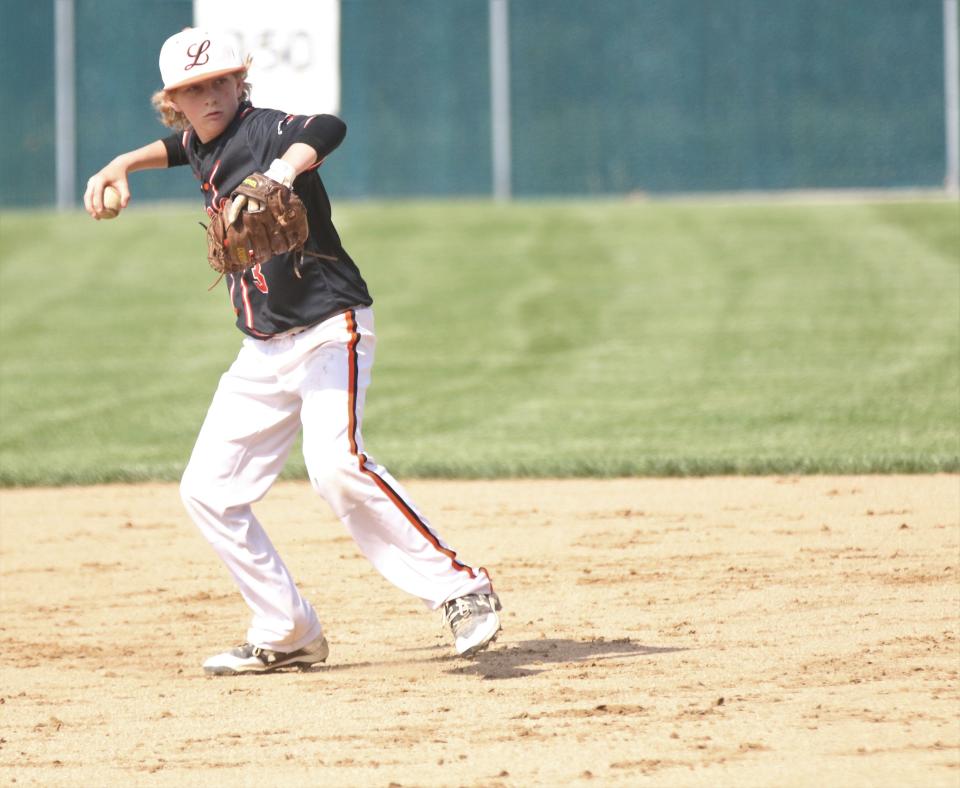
261, 219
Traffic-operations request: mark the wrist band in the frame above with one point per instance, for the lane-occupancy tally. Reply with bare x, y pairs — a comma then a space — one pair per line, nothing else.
281, 172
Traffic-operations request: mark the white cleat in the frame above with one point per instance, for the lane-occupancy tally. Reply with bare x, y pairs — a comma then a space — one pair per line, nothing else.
253, 659
473, 620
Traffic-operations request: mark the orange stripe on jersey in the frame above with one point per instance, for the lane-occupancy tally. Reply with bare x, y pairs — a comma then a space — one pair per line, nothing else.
216, 193
405, 508
245, 296
352, 381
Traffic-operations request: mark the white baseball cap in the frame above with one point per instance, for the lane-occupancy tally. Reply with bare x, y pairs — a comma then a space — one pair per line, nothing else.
193, 55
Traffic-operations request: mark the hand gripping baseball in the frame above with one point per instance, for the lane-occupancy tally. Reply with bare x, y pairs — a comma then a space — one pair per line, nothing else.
239, 237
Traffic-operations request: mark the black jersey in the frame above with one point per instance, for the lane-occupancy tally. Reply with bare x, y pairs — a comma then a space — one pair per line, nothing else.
277, 295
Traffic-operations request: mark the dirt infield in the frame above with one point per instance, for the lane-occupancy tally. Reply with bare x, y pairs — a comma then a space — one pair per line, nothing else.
749, 632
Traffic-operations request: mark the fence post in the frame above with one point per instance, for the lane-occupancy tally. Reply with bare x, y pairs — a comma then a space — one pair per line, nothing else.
951, 78
66, 103
500, 97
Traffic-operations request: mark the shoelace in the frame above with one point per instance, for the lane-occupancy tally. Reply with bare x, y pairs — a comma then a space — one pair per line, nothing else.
461, 609
265, 655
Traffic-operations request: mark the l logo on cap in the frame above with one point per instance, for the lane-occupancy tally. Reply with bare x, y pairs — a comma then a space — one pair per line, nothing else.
200, 53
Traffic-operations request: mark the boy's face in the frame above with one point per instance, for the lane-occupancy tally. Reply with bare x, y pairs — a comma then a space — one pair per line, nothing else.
209, 105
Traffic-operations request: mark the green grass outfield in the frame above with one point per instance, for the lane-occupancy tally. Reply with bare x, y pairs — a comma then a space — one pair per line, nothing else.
531, 339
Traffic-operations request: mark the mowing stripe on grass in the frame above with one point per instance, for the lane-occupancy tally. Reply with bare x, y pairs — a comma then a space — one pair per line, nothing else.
533, 339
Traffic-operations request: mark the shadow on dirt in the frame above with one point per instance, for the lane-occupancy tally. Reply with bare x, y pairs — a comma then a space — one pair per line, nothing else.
526, 658
531, 657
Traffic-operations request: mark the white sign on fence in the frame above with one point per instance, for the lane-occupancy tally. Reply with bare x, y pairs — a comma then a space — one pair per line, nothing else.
295, 47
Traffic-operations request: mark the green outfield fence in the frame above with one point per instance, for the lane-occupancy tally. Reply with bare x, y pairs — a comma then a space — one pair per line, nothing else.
606, 96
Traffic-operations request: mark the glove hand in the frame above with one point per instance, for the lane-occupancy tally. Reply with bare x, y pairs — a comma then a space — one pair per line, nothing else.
262, 219
279, 171
242, 203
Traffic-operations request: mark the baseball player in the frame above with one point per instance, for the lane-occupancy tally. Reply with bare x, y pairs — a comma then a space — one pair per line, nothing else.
305, 363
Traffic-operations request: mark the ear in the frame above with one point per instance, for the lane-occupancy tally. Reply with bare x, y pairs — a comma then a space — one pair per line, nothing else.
172, 101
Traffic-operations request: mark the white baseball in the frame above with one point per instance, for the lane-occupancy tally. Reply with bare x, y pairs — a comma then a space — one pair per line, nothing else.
111, 203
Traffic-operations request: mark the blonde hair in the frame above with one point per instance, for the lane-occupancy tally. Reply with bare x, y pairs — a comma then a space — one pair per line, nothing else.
172, 118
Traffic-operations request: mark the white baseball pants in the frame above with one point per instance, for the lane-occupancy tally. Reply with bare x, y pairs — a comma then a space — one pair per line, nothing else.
316, 379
